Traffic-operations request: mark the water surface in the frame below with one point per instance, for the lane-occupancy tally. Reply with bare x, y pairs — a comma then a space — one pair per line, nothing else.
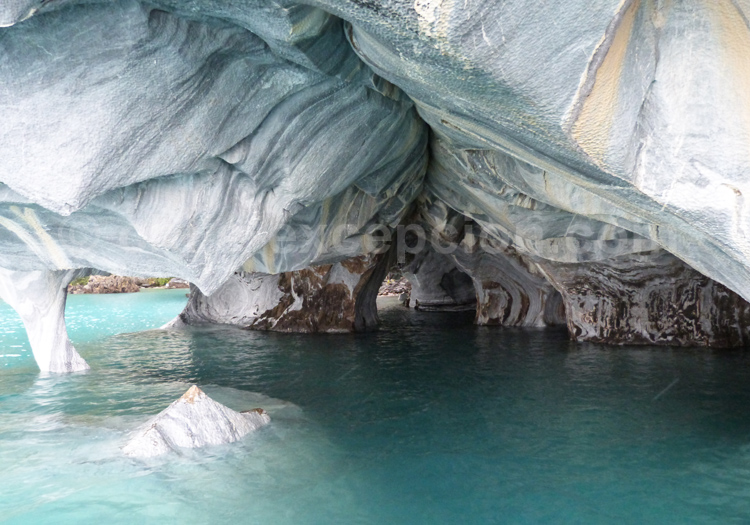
430, 420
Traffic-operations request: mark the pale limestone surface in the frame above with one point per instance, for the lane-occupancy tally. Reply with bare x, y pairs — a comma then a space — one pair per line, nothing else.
631, 112
153, 144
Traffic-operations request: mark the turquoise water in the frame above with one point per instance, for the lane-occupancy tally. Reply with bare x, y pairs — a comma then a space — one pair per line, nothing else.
431, 420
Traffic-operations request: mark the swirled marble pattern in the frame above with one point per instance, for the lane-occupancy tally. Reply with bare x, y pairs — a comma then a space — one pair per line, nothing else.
199, 138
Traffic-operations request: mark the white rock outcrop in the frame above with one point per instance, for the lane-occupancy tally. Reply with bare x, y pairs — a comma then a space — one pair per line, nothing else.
195, 420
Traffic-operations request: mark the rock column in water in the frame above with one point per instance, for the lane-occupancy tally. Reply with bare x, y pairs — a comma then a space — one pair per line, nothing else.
39, 298
338, 297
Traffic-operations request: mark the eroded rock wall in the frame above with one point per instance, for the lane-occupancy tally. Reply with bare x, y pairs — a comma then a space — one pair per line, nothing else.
155, 144
632, 113
201, 138
616, 286
649, 298
509, 288
437, 284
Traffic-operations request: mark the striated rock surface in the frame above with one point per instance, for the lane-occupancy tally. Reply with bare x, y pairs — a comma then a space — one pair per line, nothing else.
437, 284
244, 141
625, 112
616, 286
332, 298
195, 420
510, 289
176, 141
649, 298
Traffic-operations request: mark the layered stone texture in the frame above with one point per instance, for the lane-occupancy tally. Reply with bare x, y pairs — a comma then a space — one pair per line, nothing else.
39, 298
182, 147
331, 298
178, 142
201, 138
14, 11
628, 112
616, 286
193, 421
509, 288
649, 298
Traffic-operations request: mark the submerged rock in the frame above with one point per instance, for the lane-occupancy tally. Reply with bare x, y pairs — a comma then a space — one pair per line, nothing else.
195, 420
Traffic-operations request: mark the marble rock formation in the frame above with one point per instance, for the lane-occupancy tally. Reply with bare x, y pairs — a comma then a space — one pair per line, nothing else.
179, 141
616, 286
509, 287
195, 420
201, 138
633, 113
331, 298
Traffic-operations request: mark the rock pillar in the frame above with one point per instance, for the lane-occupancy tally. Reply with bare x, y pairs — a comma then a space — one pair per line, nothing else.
39, 298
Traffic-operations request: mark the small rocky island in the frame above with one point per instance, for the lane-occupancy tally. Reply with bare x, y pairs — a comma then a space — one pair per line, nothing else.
99, 284
195, 420
580, 163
